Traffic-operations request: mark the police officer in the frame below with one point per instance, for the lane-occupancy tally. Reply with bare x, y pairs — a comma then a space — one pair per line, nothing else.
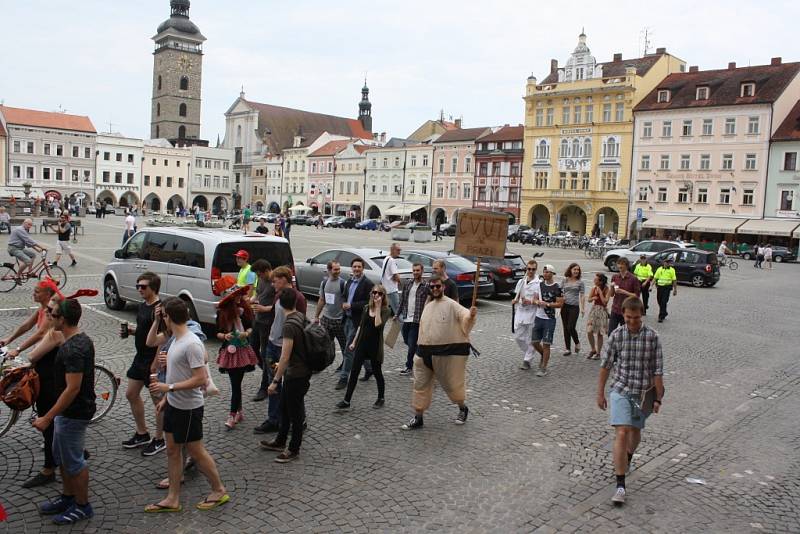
666, 281
644, 272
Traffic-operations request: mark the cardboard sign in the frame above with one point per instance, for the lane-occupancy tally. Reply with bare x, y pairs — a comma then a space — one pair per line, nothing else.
481, 233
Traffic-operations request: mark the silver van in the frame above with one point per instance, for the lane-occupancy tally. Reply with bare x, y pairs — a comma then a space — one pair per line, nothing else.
188, 260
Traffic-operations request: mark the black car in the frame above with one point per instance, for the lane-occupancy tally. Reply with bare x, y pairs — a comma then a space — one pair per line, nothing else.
460, 269
448, 228
697, 267
507, 272
514, 231
302, 220
348, 222
531, 237
779, 254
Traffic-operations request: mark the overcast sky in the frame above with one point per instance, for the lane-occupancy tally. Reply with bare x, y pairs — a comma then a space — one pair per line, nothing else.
469, 58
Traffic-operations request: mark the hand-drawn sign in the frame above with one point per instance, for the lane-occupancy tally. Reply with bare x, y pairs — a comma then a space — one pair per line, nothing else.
481, 233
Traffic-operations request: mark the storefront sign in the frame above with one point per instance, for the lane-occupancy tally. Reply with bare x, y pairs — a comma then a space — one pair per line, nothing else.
575, 131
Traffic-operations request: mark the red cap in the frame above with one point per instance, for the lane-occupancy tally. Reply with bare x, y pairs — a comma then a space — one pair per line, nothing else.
243, 254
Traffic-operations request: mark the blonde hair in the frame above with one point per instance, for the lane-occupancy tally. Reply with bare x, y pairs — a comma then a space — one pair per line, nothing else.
384, 303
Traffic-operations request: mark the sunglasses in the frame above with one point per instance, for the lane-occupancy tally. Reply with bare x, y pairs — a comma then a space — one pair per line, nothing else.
51, 313
436, 286
142, 286
530, 268
377, 293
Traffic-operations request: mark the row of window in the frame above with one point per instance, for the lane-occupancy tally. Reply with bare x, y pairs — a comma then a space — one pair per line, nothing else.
500, 168
184, 83
412, 162
117, 157
200, 163
181, 110
685, 195
21, 146
707, 128
496, 194
685, 162
580, 114
48, 173
206, 181
117, 178
575, 181
502, 145
453, 190
578, 147
158, 181
702, 92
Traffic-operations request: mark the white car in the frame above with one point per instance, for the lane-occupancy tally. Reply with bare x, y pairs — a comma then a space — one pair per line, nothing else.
649, 248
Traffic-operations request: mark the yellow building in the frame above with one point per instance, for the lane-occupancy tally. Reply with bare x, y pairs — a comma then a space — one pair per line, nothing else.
579, 139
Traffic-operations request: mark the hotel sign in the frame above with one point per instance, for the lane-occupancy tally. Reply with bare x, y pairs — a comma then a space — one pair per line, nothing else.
693, 176
576, 131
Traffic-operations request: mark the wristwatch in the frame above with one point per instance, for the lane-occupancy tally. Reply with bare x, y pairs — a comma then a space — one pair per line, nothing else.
172, 387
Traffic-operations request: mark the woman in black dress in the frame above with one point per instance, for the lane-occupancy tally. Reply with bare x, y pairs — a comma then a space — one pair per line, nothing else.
368, 345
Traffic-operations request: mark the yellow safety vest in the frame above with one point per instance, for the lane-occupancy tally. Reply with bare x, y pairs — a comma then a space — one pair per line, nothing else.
665, 277
244, 273
643, 272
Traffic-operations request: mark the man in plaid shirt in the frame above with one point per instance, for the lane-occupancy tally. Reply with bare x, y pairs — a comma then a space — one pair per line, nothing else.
635, 351
412, 301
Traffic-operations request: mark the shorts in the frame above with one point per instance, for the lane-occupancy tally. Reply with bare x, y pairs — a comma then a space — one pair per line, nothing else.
69, 439
140, 369
543, 330
185, 426
24, 255
63, 247
624, 411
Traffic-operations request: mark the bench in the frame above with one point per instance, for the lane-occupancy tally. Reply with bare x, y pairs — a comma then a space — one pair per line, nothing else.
47, 224
17, 221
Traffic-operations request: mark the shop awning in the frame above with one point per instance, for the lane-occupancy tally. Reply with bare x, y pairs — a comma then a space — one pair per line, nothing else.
797, 233
299, 208
773, 227
403, 210
669, 222
716, 225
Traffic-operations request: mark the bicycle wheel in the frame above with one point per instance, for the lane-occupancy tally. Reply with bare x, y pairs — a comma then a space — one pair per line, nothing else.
8, 278
105, 390
55, 272
7, 418
733, 265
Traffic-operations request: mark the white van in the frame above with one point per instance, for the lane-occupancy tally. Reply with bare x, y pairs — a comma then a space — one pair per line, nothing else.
188, 260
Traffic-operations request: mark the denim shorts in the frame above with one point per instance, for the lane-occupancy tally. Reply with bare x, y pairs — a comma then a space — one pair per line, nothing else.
543, 330
624, 411
69, 438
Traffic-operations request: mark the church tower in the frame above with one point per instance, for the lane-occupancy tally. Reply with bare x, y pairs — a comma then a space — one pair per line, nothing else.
365, 108
177, 76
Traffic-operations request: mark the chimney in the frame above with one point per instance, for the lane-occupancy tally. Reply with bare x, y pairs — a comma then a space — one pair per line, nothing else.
458, 123
553, 65
383, 137
617, 57
694, 68
661, 50
731, 65
776, 61
375, 136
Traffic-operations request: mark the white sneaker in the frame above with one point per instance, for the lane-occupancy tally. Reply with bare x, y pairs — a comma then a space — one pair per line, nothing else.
619, 497
541, 372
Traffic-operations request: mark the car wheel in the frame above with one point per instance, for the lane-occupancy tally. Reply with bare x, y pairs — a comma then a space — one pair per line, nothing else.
111, 295
746, 256
698, 280
611, 263
778, 259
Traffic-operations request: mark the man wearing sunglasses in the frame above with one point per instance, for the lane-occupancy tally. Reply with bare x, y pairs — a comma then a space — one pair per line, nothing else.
442, 350
525, 311
148, 284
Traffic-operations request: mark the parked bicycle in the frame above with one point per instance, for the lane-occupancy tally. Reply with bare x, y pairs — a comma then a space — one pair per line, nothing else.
10, 277
106, 385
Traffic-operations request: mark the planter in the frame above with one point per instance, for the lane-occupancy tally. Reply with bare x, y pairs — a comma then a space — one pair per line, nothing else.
401, 234
423, 235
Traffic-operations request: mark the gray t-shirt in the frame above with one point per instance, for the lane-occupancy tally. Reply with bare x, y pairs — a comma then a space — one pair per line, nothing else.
331, 293
276, 331
185, 353
573, 291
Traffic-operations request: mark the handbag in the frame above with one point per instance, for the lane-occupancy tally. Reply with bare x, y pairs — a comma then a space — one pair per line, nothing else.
390, 338
19, 388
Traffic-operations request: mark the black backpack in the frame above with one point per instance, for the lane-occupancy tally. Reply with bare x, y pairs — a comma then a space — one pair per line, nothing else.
319, 349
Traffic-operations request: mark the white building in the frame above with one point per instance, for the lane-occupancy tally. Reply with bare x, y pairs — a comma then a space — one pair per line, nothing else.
119, 170
398, 181
212, 185
165, 176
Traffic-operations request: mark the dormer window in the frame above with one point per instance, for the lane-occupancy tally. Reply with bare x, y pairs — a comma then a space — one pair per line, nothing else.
663, 95
702, 93
748, 89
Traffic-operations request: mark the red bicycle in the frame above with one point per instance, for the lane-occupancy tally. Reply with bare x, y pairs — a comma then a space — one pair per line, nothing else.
11, 278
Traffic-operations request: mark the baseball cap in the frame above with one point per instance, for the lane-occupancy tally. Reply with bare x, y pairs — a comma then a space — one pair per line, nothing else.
550, 268
242, 254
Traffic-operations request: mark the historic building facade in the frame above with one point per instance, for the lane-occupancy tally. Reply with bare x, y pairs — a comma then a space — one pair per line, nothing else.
165, 177
118, 176
348, 190
578, 139
322, 176
498, 170
211, 186
782, 197
454, 171
3, 153
177, 77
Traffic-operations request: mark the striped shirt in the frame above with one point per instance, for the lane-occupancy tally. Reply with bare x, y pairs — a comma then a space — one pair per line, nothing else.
637, 358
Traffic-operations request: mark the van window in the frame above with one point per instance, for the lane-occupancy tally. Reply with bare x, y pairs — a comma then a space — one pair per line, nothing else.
135, 246
158, 247
189, 252
276, 253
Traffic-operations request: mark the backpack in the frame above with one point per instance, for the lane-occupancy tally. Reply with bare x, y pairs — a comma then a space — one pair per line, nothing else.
19, 388
319, 349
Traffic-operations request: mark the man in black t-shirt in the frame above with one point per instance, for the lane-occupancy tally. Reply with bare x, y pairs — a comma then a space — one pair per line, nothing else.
262, 304
550, 296
64, 229
71, 414
148, 284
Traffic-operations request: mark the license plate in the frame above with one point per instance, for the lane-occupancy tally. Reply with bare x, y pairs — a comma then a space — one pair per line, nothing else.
482, 279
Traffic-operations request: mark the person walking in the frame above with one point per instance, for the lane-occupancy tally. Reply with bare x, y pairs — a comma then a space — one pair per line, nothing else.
390, 278
760, 253
357, 293
148, 284
263, 306
574, 302
412, 302
666, 283
450, 288
597, 324
130, 227
295, 376
368, 345
70, 414
247, 215
64, 229
623, 285
643, 272
438, 234
635, 354
442, 351
524, 312
768, 256
286, 222
550, 298
182, 406
329, 312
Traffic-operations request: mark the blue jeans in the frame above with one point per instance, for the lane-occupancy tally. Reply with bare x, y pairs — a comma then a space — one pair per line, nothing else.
69, 438
273, 354
350, 333
394, 302
410, 333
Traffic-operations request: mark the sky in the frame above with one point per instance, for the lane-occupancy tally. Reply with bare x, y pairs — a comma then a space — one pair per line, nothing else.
467, 58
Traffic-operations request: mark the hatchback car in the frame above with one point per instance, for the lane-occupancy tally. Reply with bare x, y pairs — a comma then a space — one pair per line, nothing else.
506, 272
779, 254
188, 260
311, 272
368, 224
697, 267
648, 248
460, 269
448, 229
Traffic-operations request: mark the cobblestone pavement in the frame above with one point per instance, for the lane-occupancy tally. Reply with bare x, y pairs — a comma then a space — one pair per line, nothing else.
534, 456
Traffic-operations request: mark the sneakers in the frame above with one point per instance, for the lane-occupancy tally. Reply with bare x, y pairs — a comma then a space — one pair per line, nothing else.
260, 396
541, 372
273, 445
341, 384
59, 505
413, 424
73, 264
154, 447
287, 456
230, 422
343, 405
619, 497
40, 479
378, 403
525, 365
567, 352
239, 417
74, 514
407, 371
267, 427
463, 412
138, 440
367, 375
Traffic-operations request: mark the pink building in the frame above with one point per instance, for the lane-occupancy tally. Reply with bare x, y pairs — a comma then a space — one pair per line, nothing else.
321, 172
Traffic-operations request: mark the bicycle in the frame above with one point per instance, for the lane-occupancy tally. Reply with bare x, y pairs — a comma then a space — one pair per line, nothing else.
11, 278
106, 385
729, 262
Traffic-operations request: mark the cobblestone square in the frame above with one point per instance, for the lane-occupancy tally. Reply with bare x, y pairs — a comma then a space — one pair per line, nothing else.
535, 455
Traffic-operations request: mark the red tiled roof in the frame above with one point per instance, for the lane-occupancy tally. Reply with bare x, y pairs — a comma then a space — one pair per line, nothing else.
2, 131
284, 123
361, 148
724, 87
617, 68
506, 133
47, 119
789, 130
461, 134
330, 148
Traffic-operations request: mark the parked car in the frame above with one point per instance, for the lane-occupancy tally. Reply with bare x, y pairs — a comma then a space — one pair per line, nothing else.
506, 272
368, 224
779, 254
311, 272
188, 260
302, 220
514, 231
448, 228
332, 222
348, 222
531, 237
697, 267
460, 269
649, 248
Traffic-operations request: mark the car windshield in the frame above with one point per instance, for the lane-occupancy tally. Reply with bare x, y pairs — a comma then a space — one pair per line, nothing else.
459, 263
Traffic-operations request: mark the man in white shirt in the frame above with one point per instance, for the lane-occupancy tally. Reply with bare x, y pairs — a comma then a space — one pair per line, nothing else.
130, 227
390, 278
525, 294
412, 302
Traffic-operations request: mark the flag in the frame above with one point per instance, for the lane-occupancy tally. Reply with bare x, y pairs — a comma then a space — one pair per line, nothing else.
3, 515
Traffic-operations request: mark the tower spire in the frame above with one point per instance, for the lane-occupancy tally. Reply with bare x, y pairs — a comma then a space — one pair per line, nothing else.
365, 108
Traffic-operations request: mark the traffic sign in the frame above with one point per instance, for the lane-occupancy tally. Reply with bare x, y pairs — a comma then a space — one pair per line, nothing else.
639, 215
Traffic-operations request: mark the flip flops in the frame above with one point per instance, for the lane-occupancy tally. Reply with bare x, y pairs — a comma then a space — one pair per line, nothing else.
157, 508
164, 484
210, 505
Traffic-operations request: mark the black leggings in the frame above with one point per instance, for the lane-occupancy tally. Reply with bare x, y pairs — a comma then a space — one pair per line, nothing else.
236, 376
569, 316
42, 407
358, 361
